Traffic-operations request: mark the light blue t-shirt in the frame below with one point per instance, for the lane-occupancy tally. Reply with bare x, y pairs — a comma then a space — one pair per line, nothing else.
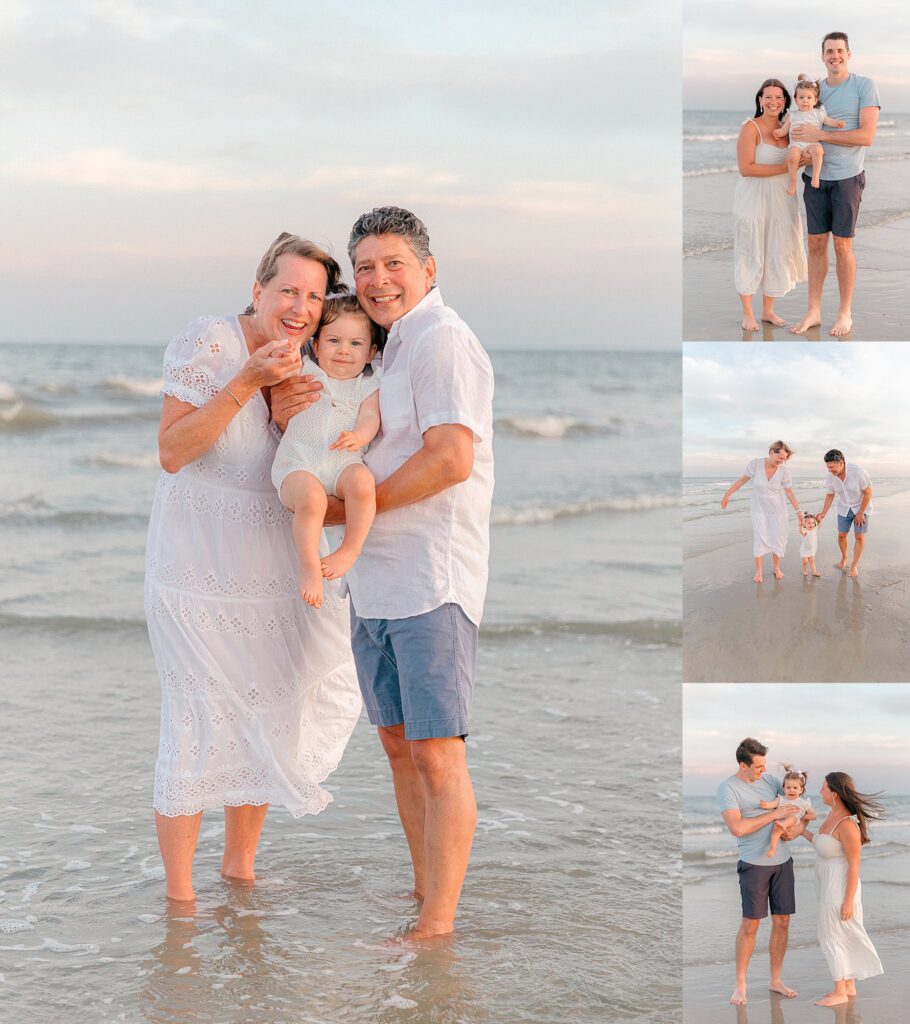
843, 103
734, 794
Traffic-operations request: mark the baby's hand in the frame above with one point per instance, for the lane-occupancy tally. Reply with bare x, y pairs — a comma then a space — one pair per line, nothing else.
810, 815
765, 804
779, 133
348, 441
841, 124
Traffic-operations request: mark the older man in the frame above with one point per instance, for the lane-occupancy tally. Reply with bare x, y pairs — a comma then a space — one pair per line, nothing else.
853, 489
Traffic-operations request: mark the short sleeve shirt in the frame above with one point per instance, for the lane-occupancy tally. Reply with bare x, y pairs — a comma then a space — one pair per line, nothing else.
435, 551
734, 794
849, 491
843, 103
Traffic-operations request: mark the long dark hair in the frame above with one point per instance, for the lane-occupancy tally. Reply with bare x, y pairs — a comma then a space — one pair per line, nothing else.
863, 806
777, 83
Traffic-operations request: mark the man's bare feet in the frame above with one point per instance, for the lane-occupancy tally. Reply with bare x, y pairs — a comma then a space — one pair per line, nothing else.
749, 324
841, 565
739, 996
781, 989
854, 570
843, 325
773, 318
311, 584
778, 574
809, 320
757, 578
830, 1000
338, 562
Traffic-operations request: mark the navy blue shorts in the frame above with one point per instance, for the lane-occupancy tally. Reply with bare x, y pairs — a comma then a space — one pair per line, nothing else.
834, 205
417, 671
761, 885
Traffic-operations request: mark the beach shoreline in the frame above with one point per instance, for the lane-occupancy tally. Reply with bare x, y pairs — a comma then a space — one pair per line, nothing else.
830, 629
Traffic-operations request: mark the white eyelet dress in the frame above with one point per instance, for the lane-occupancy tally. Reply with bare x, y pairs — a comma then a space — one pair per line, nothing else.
259, 691
769, 509
768, 253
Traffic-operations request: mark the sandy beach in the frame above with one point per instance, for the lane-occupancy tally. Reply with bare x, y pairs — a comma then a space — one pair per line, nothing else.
830, 629
881, 310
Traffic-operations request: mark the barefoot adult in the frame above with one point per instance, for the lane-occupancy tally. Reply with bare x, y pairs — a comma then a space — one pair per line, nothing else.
853, 489
259, 692
838, 845
418, 588
771, 489
764, 882
768, 255
832, 208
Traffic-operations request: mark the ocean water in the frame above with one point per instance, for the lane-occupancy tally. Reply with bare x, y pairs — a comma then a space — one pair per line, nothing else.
571, 909
710, 174
712, 908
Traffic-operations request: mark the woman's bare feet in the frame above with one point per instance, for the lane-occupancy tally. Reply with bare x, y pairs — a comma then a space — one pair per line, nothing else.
843, 325
180, 895
757, 578
311, 584
778, 574
831, 999
815, 572
773, 318
749, 323
338, 562
851, 988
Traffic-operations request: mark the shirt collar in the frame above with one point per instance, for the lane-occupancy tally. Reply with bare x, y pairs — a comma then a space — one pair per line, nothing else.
409, 325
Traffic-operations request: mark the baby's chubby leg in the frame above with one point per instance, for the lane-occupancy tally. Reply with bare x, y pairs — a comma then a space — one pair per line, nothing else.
818, 155
813, 568
806, 562
779, 827
357, 489
793, 156
305, 496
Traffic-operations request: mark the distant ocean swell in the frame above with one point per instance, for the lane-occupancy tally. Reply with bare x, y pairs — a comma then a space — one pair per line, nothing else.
22, 417
557, 427
527, 515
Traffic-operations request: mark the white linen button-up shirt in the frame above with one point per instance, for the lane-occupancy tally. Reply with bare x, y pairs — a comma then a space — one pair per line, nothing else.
436, 551
849, 491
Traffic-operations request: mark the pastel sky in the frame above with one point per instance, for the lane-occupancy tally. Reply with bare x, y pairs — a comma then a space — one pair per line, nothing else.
731, 48
738, 399
859, 729
154, 149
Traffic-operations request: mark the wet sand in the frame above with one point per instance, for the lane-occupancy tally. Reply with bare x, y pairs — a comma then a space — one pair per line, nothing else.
881, 307
831, 629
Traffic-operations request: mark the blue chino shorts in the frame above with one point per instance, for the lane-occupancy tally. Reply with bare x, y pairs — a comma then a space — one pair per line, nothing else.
417, 671
845, 522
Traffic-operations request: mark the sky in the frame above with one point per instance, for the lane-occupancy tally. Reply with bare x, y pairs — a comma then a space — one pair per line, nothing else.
739, 399
860, 729
154, 149
731, 48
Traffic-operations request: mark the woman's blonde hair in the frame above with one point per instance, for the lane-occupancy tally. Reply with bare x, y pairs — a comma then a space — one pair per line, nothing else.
296, 246
781, 446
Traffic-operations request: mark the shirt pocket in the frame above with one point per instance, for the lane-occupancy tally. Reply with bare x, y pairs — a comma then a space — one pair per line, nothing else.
395, 402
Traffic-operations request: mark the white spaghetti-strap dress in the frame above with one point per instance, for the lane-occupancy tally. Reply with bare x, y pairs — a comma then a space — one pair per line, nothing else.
259, 691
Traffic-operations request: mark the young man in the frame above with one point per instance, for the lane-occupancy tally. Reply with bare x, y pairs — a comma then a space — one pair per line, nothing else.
832, 209
763, 881
853, 488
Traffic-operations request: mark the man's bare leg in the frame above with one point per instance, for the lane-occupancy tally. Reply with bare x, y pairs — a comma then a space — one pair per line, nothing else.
818, 271
749, 322
410, 799
859, 545
745, 945
842, 544
451, 817
780, 932
845, 264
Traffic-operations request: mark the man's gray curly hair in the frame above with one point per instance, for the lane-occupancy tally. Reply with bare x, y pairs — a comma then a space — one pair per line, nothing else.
391, 220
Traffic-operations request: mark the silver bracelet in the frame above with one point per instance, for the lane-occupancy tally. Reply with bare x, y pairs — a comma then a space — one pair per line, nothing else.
231, 393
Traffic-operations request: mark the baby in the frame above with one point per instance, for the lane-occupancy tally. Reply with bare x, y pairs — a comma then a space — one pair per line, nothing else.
794, 786
808, 527
322, 450
809, 111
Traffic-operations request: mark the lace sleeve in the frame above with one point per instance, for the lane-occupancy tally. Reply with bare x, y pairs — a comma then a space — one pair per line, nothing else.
196, 361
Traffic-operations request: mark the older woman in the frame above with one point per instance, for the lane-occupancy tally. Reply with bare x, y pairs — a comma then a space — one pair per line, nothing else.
841, 836
259, 693
771, 484
768, 254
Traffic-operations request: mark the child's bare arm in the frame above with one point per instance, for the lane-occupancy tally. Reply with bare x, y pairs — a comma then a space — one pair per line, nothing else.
784, 130
803, 530
833, 123
365, 429
810, 815
769, 805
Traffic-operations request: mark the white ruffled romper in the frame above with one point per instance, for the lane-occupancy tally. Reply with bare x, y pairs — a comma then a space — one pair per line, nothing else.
259, 691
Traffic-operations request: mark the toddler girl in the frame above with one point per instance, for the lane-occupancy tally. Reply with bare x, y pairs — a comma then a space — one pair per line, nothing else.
810, 111
794, 786
808, 547
322, 450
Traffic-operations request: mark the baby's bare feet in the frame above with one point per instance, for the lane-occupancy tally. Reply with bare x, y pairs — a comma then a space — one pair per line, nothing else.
311, 585
791, 188
338, 562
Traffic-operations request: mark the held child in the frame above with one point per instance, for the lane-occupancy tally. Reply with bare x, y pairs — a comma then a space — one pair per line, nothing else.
794, 785
809, 110
808, 527
322, 450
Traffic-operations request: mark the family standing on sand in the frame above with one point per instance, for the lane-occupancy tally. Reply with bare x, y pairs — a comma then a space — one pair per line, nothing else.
827, 131
772, 488
765, 813
258, 650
